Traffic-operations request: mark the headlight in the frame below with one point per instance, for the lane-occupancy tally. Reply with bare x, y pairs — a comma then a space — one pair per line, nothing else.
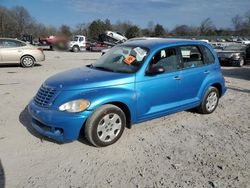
75, 106
236, 56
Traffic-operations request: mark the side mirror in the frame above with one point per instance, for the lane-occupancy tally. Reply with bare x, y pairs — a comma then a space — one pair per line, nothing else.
155, 70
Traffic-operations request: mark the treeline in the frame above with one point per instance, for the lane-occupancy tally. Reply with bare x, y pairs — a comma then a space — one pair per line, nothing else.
17, 21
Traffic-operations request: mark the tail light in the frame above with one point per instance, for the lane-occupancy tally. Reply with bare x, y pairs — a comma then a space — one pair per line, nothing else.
40, 49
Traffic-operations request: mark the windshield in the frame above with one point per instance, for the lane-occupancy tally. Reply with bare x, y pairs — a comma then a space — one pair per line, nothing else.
234, 47
122, 59
75, 39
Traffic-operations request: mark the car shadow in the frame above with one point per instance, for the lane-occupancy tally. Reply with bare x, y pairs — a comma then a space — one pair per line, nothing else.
243, 90
25, 120
237, 72
83, 139
2, 175
10, 65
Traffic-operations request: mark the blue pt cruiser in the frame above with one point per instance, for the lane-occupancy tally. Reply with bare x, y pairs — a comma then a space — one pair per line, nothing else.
133, 82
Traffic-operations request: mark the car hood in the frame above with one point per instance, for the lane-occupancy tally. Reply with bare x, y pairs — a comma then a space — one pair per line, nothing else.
85, 78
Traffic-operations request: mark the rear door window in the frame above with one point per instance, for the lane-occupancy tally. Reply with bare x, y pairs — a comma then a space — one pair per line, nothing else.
191, 56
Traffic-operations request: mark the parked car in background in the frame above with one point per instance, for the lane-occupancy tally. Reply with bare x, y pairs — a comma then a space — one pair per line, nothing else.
16, 51
234, 54
133, 82
97, 46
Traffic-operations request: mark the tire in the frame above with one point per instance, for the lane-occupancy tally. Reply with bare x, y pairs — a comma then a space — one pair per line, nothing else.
241, 62
105, 126
210, 101
27, 61
76, 49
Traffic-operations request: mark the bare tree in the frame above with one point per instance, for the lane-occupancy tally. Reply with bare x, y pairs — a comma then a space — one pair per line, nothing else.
184, 30
207, 27
237, 21
23, 20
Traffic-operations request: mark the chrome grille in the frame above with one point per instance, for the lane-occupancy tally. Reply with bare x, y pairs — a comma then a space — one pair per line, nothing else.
45, 96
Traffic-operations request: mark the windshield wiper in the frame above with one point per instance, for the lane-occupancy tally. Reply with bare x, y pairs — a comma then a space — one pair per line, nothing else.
103, 68
100, 68
90, 65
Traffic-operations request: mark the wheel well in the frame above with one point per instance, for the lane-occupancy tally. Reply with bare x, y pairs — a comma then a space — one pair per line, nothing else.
218, 86
29, 56
126, 110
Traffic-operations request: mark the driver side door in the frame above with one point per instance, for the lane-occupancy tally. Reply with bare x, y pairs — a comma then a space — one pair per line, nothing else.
159, 94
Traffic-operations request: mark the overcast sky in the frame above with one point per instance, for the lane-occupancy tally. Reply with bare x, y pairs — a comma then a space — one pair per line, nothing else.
166, 12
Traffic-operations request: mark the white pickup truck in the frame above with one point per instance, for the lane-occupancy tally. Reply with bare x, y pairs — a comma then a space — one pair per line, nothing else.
78, 43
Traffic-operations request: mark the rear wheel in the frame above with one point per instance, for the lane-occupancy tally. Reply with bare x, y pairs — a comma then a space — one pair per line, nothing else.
27, 61
105, 126
210, 101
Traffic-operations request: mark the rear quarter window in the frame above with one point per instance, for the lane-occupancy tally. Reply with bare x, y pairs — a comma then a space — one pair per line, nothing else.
191, 56
209, 57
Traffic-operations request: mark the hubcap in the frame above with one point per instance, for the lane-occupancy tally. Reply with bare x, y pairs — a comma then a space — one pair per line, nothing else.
211, 101
109, 127
241, 62
75, 49
27, 61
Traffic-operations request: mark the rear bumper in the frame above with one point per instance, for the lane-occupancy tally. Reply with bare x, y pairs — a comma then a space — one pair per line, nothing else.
40, 57
60, 126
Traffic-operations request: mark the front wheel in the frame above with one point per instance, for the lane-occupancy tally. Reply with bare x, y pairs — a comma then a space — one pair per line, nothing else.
76, 49
105, 126
210, 101
241, 62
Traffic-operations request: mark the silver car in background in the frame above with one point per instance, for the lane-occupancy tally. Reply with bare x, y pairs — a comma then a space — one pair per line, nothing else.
16, 51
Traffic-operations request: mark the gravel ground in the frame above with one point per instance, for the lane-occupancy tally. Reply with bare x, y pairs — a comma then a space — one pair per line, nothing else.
185, 149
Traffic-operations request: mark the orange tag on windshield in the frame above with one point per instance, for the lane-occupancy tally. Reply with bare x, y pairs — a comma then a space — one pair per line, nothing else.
130, 59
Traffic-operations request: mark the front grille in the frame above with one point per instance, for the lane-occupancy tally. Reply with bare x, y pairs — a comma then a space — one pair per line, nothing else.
45, 96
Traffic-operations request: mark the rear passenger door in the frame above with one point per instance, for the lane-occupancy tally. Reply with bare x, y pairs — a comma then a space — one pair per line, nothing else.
194, 72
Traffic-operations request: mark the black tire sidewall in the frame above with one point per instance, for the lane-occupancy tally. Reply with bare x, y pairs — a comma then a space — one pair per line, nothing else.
93, 121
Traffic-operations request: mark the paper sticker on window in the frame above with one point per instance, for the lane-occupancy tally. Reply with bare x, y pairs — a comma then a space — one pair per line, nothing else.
130, 59
142, 53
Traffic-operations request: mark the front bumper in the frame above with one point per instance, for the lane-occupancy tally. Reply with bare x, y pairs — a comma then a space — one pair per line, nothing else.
60, 126
229, 61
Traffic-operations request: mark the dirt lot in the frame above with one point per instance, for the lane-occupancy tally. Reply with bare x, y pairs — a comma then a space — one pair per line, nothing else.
181, 150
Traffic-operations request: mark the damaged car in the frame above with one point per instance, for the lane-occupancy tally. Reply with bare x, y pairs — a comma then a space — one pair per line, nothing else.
133, 82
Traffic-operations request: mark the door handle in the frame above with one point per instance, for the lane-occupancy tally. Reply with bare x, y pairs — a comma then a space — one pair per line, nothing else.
19, 50
177, 78
206, 72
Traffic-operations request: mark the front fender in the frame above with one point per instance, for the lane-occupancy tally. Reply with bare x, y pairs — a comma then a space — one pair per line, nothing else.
125, 95
99, 96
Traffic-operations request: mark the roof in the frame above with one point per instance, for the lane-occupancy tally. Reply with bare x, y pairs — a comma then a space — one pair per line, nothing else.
154, 43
